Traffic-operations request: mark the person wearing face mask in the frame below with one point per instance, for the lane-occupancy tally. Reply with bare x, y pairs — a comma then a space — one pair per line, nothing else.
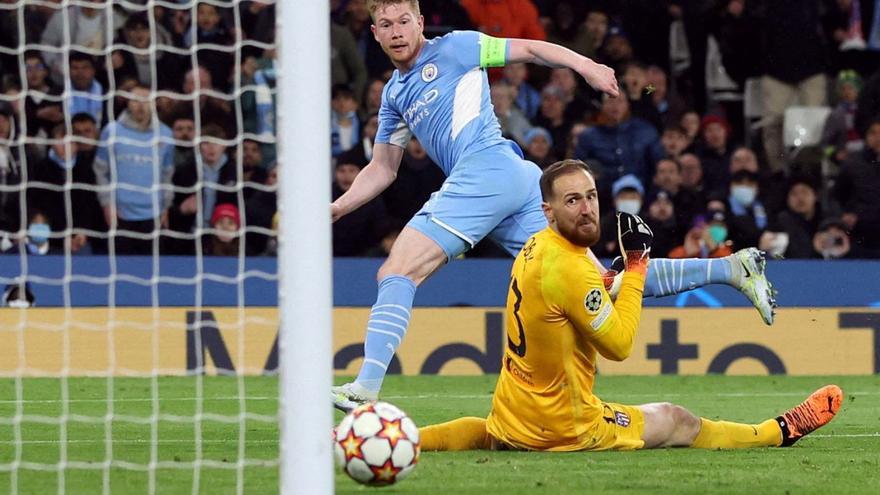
706, 239
748, 218
38, 234
627, 192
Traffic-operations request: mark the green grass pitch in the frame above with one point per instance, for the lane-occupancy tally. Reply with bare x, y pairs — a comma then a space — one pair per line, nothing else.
843, 457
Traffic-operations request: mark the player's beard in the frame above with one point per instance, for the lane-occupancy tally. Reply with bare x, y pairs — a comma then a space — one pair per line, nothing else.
578, 235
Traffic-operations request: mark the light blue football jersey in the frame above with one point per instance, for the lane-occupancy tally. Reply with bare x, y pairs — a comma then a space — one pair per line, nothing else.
444, 100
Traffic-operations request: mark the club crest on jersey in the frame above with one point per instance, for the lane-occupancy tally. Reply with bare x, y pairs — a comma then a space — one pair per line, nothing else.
429, 73
621, 418
593, 301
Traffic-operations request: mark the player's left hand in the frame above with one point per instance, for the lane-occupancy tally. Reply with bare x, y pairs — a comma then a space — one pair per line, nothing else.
601, 78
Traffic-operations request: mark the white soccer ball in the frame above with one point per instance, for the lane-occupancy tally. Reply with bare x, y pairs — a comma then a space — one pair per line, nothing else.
377, 444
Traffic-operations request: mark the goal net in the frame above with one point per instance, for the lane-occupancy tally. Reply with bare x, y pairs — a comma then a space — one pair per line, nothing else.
138, 328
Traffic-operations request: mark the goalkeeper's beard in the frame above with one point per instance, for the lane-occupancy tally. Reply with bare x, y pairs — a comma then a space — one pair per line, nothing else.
580, 234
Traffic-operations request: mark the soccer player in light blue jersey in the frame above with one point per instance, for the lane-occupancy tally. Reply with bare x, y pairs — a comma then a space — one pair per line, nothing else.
440, 94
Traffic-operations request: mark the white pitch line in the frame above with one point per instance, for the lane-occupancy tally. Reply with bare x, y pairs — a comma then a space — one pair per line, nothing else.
137, 441
275, 441
426, 397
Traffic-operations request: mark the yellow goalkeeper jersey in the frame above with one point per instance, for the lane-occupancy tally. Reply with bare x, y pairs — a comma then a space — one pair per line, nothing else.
559, 316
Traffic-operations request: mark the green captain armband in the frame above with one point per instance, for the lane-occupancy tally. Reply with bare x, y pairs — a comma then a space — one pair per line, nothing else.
493, 51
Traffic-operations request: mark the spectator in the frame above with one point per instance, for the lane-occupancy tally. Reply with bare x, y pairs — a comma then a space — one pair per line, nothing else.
39, 232
513, 123
669, 105
576, 130
356, 235
617, 50
706, 239
628, 193
86, 28
554, 118
856, 189
211, 109
87, 212
69, 163
635, 80
692, 173
832, 241
505, 18
748, 218
791, 234
346, 65
667, 177
258, 20
621, 144
183, 128
539, 147
792, 26
260, 210
200, 185
442, 16
252, 162
211, 29
690, 122
567, 28
372, 97
362, 152
527, 98
417, 178
840, 133
576, 106
675, 141
10, 171
134, 56
344, 125
88, 93
42, 105
715, 153
596, 25
661, 218
358, 22
224, 241
135, 155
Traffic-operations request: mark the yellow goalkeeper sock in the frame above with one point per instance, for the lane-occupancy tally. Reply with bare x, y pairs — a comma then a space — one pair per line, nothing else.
727, 435
458, 434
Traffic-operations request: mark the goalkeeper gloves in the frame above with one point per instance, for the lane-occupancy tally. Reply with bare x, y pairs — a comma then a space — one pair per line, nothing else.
635, 238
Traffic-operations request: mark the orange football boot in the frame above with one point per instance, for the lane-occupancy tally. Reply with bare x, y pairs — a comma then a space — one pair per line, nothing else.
819, 408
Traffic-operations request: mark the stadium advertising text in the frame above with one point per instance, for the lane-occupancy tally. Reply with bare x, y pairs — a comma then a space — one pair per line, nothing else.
451, 341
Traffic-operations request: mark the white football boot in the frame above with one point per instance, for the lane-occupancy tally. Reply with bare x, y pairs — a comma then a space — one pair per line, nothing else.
350, 395
747, 268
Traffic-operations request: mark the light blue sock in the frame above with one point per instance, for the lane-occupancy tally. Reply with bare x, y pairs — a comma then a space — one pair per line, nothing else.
385, 329
667, 276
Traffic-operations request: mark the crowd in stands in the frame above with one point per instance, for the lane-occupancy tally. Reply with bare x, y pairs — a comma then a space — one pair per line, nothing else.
165, 139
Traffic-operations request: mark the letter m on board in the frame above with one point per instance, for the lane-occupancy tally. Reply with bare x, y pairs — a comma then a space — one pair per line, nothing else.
203, 337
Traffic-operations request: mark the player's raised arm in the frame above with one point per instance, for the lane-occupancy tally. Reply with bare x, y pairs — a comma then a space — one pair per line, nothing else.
599, 76
371, 181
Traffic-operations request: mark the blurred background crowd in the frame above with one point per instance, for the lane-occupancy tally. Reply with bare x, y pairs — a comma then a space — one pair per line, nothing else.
741, 123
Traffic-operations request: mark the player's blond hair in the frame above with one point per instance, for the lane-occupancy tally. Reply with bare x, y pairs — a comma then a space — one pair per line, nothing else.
375, 5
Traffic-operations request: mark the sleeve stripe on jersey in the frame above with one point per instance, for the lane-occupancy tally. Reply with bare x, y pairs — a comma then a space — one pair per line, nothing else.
401, 135
468, 95
493, 51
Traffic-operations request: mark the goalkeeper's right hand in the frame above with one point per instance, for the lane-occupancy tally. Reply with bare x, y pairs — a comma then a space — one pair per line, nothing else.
635, 238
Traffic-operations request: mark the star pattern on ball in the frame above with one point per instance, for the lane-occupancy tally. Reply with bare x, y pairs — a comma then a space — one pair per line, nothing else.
386, 473
391, 430
351, 445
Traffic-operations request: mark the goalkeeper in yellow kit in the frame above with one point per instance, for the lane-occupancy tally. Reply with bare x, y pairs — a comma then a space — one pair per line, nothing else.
559, 317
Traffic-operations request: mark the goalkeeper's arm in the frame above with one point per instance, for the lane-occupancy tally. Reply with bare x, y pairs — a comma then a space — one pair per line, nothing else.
372, 180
